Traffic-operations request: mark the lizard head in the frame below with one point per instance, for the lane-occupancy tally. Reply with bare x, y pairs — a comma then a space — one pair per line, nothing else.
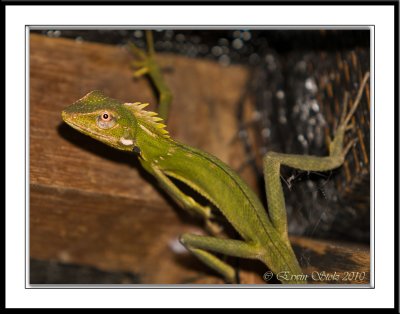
112, 122
105, 119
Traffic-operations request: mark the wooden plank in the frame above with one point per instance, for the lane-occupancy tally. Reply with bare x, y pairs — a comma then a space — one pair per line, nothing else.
75, 228
111, 233
93, 206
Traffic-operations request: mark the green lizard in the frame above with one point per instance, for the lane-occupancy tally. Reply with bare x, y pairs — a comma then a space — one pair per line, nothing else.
129, 127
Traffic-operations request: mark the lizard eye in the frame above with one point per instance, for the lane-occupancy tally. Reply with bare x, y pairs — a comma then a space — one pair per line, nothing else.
105, 120
106, 117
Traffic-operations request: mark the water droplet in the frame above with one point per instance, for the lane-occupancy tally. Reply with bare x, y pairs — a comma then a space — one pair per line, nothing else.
254, 58
311, 85
237, 34
246, 35
237, 43
180, 37
265, 133
301, 66
315, 106
223, 42
282, 120
203, 48
256, 115
280, 94
169, 34
138, 34
269, 58
216, 51
224, 60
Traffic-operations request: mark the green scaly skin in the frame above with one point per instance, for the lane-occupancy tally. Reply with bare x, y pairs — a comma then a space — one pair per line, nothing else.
128, 127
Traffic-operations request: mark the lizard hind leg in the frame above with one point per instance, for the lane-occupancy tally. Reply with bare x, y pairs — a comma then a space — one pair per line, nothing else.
200, 245
224, 269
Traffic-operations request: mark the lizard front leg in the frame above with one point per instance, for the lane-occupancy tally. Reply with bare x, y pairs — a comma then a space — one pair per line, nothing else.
185, 201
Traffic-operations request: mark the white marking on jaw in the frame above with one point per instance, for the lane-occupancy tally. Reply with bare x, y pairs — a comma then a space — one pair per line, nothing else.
125, 141
147, 130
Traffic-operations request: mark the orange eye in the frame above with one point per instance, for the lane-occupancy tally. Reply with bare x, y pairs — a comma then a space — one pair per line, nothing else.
105, 120
106, 117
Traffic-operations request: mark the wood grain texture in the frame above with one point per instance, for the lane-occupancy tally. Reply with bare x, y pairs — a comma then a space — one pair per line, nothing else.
93, 206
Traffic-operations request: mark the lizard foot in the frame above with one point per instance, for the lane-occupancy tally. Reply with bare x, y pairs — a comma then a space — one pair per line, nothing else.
144, 59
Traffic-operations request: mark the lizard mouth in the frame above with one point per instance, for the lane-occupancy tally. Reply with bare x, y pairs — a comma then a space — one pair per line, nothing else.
106, 139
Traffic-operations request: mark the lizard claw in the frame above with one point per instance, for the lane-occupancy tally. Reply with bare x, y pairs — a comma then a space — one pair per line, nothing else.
141, 64
136, 51
141, 71
336, 146
349, 145
344, 124
214, 228
350, 127
144, 58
